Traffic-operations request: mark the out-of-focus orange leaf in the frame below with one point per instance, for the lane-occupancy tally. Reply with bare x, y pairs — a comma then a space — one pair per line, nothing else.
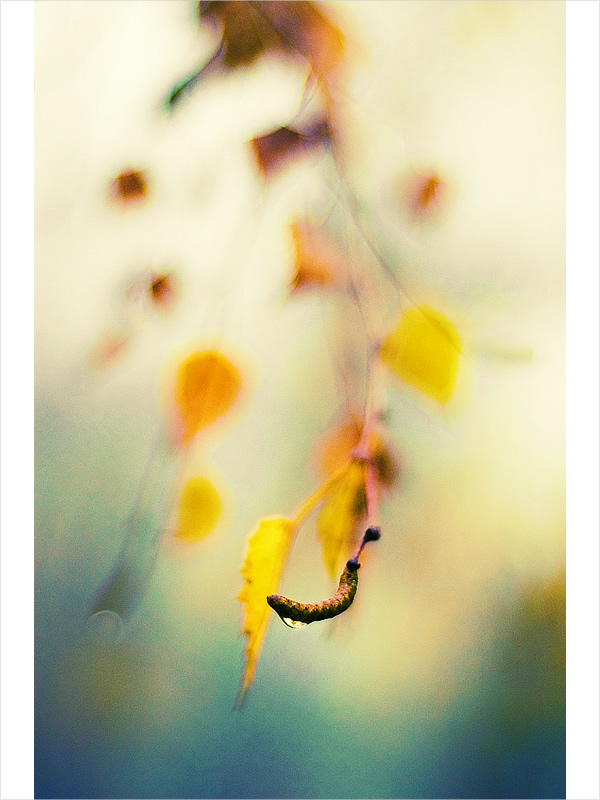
338, 446
318, 261
425, 193
339, 518
277, 148
306, 30
206, 386
268, 549
161, 290
200, 510
424, 351
335, 449
130, 186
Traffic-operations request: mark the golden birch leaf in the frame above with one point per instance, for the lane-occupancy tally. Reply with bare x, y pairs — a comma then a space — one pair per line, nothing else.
206, 386
340, 516
200, 510
268, 549
423, 351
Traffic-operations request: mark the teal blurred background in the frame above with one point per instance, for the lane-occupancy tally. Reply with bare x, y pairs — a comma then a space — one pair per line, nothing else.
447, 676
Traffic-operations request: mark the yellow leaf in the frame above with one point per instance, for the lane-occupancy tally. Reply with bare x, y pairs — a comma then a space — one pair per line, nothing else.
200, 509
268, 549
423, 351
339, 518
206, 386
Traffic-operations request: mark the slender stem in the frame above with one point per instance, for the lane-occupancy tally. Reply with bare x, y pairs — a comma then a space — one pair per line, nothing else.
143, 529
372, 534
371, 492
363, 451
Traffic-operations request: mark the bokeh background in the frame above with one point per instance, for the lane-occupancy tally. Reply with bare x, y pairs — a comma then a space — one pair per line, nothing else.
447, 677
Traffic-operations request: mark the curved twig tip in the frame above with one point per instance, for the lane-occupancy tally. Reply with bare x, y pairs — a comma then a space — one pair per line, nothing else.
372, 535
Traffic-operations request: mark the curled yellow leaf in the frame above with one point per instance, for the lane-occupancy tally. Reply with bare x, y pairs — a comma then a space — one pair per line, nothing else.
268, 549
423, 351
206, 386
340, 516
200, 510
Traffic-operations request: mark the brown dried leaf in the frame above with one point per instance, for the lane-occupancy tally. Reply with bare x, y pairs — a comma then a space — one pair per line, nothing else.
130, 186
250, 29
275, 149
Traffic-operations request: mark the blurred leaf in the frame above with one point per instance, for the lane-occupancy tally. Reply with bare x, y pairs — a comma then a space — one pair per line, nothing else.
335, 449
268, 549
249, 30
318, 261
200, 510
339, 518
130, 186
162, 290
304, 29
293, 28
275, 149
246, 33
206, 386
338, 446
423, 351
425, 194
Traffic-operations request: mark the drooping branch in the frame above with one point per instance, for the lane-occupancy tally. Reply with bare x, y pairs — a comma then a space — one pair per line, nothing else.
297, 615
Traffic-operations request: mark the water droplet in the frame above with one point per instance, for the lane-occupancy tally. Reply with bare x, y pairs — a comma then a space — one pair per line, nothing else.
106, 627
294, 623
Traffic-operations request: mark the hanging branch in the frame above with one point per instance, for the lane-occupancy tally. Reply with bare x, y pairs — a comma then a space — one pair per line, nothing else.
297, 615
